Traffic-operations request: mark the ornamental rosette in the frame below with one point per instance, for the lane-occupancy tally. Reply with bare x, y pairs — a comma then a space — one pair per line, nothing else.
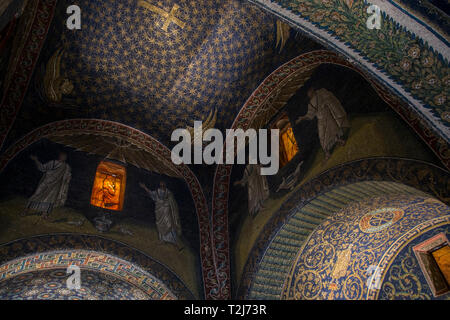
432, 80
417, 85
405, 64
440, 99
445, 116
446, 81
427, 61
414, 52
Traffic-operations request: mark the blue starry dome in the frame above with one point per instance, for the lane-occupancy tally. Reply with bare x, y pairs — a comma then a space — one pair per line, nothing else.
158, 66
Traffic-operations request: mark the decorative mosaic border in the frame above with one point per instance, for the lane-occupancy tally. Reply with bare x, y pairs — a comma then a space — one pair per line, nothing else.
434, 17
21, 76
94, 253
152, 146
417, 174
253, 107
406, 18
332, 34
90, 260
404, 55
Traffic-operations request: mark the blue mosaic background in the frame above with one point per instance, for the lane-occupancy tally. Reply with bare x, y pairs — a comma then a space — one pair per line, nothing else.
51, 285
125, 68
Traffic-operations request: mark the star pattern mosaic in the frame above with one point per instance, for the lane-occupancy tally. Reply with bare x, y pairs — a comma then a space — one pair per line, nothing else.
126, 68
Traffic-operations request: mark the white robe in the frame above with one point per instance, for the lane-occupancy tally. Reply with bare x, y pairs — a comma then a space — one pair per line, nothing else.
167, 217
258, 188
331, 117
53, 187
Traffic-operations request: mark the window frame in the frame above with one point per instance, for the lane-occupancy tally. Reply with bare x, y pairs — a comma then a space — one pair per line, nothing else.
423, 253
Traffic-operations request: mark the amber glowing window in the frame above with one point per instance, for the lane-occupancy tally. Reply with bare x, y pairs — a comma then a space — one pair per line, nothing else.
288, 144
434, 260
109, 186
442, 258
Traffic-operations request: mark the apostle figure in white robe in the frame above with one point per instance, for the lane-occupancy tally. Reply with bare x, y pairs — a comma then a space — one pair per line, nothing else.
257, 187
331, 118
53, 187
166, 212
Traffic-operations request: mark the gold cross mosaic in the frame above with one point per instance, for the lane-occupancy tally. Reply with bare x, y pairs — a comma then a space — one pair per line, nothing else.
168, 16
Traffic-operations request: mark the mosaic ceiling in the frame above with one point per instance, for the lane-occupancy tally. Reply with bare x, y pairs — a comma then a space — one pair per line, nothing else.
51, 285
159, 65
156, 67
335, 257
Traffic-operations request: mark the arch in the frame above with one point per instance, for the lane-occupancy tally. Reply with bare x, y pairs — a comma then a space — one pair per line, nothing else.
151, 146
401, 24
38, 21
261, 102
94, 253
382, 177
346, 256
342, 26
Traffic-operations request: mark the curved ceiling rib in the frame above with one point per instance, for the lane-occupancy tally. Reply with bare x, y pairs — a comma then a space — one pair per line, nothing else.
112, 146
424, 111
396, 55
144, 151
268, 99
50, 252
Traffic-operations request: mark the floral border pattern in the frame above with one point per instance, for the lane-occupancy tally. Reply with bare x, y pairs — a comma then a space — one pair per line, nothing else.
26, 61
95, 253
393, 53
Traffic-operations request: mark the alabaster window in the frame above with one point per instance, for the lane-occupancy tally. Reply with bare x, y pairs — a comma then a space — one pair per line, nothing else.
434, 260
288, 144
109, 186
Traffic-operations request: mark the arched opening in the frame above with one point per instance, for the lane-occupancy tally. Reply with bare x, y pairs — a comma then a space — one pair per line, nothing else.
82, 267
369, 204
121, 141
